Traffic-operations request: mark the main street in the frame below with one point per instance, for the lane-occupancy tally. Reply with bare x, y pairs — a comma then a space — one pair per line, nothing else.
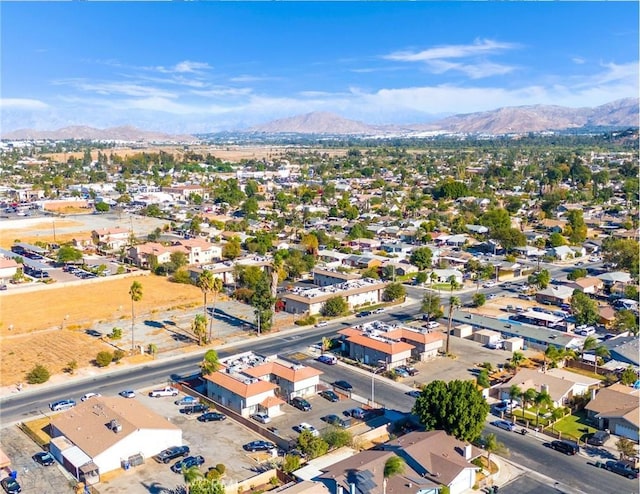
573, 471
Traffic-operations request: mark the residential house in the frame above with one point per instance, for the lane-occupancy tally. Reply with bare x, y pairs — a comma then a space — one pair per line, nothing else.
555, 295
561, 389
326, 277
614, 277
401, 268
8, 268
589, 285
433, 459
111, 238
363, 262
617, 408
624, 349
562, 252
183, 192
249, 383
444, 275
477, 229
365, 291
98, 435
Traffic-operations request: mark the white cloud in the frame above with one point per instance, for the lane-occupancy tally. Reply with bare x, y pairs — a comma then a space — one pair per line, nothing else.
22, 104
578, 60
479, 47
116, 88
222, 92
184, 67
254, 78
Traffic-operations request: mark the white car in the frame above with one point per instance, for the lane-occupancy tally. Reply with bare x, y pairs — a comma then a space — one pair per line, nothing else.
489, 284
432, 325
322, 324
127, 393
303, 426
263, 418
89, 395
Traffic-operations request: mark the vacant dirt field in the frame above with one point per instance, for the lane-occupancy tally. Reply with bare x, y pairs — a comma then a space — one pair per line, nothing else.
36, 320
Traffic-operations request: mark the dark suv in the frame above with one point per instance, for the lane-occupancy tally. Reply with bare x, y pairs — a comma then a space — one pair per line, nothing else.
301, 404
199, 408
566, 447
599, 438
621, 469
190, 461
169, 454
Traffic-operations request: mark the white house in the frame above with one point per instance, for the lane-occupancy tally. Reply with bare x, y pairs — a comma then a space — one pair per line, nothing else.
8, 268
109, 430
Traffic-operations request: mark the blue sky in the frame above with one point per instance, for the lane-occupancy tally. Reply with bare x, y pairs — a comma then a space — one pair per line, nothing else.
198, 67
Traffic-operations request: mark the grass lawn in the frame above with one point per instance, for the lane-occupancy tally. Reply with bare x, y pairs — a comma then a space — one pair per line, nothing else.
574, 427
585, 372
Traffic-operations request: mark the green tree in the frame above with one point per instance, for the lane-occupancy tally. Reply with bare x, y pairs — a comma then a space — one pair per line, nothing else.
492, 445
626, 448
557, 240
135, 292
205, 282
263, 302
457, 407
515, 393
454, 302
38, 374
625, 320
104, 358
622, 252
206, 486
628, 376
540, 279
232, 249
178, 259
578, 226
431, 305
333, 307
576, 274
482, 379
421, 278
199, 328
516, 359
395, 465
584, 309
528, 397
191, 474
394, 291
210, 362
496, 219
337, 437
509, 238
311, 445
421, 258
542, 399
67, 254
479, 299
290, 463
102, 207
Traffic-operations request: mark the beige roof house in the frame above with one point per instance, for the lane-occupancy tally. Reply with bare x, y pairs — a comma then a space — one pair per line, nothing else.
617, 408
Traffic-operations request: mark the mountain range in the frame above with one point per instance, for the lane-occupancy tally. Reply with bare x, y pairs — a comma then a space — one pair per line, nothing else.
535, 118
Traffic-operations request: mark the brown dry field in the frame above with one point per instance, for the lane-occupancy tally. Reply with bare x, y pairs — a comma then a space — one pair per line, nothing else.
37, 317
25, 234
228, 153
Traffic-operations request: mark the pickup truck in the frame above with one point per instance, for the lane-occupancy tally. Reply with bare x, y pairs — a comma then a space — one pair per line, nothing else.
167, 391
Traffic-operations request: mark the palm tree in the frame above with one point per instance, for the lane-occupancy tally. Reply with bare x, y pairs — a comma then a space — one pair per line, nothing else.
205, 283
601, 352
543, 398
453, 302
325, 345
393, 466
216, 288
514, 392
191, 474
135, 292
492, 445
199, 327
528, 397
516, 359
210, 363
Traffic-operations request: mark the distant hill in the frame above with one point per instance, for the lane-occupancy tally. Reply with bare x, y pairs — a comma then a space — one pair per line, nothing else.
124, 133
536, 118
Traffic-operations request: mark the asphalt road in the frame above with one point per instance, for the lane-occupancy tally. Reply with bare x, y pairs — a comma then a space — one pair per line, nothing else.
573, 471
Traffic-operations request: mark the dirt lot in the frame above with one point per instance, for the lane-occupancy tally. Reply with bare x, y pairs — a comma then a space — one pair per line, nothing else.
31, 322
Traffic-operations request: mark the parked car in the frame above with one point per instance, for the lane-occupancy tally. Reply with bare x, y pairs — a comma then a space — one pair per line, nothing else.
566, 447
599, 438
503, 424
400, 371
505, 405
258, 446
44, 458
414, 393
328, 359
432, 325
188, 462
263, 418
333, 419
304, 426
166, 391
489, 284
86, 396
379, 310
357, 413
198, 408
343, 385
62, 405
127, 393
187, 400
11, 485
330, 395
621, 469
212, 417
165, 456
301, 404
322, 324
364, 313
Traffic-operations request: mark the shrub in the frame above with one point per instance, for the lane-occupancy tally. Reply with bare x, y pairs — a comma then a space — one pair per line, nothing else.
71, 367
118, 355
306, 321
104, 358
221, 468
181, 276
116, 334
38, 375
